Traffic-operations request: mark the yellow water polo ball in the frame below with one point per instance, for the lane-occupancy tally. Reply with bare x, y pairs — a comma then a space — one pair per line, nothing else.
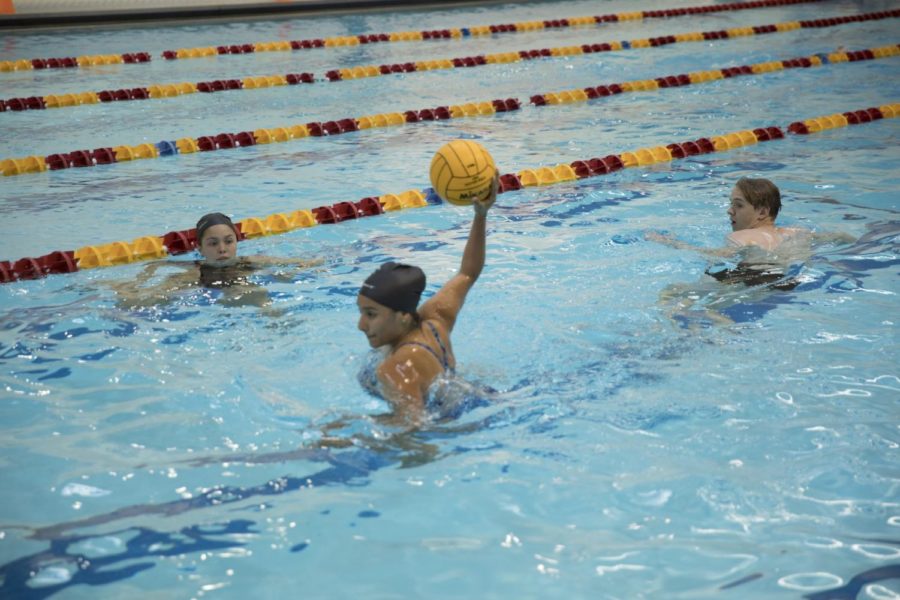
462, 171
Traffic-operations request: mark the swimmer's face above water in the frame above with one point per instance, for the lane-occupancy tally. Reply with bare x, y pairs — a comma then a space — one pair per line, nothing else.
219, 245
744, 215
380, 324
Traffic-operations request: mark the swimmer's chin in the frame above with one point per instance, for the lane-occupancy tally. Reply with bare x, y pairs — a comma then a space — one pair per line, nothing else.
375, 344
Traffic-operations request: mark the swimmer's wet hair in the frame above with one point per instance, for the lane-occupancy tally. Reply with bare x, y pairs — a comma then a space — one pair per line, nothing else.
396, 286
761, 193
207, 221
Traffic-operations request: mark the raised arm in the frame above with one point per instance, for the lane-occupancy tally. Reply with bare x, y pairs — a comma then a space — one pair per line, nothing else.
446, 304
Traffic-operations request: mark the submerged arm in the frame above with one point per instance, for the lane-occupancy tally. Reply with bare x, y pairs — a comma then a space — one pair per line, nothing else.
670, 241
150, 270
837, 237
282, 275
279, 261
132, 294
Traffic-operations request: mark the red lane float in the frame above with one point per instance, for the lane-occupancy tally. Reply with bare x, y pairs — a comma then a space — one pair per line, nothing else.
404, 36
83, 158
179, 242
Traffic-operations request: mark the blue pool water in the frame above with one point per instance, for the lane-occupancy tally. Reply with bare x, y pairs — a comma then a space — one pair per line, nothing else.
630, 453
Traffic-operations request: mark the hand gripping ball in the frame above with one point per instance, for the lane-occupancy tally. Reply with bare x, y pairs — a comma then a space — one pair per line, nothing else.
462, 171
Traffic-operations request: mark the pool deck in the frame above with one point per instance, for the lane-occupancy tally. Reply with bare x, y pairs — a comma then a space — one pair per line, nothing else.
41, 13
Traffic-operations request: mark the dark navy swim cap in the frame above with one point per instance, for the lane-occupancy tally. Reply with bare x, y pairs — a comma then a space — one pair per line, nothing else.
207, 221
396, 286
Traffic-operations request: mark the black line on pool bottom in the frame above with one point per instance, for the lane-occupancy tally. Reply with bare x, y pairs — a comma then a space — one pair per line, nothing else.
348, 468
741, 581
853, 587
97, 570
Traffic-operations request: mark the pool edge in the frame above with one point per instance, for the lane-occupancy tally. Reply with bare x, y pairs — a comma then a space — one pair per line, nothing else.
202, 11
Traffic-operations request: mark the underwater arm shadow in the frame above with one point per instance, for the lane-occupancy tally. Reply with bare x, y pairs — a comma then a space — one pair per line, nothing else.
95, 571
344, 470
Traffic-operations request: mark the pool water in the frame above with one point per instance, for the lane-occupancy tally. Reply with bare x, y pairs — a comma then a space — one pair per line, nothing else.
631, 452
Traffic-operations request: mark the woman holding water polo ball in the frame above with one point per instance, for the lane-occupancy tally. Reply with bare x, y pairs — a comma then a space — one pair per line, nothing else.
417, 339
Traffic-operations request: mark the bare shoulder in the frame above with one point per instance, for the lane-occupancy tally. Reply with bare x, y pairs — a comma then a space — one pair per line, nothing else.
401, 355
410, 361
792, 231
405, 375
744, 237
765, 238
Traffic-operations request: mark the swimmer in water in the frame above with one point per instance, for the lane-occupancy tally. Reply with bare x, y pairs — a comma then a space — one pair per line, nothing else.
762, 248
219, 269
753, 208
417, 339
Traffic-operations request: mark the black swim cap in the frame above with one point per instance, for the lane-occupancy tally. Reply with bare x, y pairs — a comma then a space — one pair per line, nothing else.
396, 286
207, 221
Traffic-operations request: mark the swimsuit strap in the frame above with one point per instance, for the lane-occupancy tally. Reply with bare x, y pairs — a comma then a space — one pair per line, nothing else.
429, 348
445, 362
441, 359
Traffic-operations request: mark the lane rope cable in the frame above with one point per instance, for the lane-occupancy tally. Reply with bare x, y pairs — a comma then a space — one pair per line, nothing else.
175, 90
223, 141
401, 36
180, 242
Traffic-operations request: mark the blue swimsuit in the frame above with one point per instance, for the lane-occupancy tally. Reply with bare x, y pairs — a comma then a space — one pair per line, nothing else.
443, 359
368, 375
449, 396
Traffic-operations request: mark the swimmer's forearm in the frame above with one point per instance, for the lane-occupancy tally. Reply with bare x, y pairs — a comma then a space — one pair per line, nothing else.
717, 252
679, 245
474, 254
149, 271
299, 262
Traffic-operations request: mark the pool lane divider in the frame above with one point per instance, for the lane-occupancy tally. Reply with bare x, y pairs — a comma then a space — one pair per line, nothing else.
172, 90
180, 242
222, 141
402, 36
